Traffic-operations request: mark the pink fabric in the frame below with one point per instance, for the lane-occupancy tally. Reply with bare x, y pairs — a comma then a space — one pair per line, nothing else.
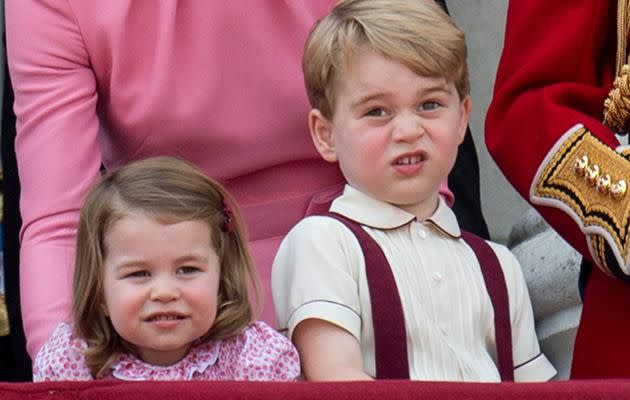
215, 82
258, 354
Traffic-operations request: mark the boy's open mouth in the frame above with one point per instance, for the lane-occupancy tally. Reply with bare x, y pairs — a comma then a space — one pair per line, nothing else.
409, 160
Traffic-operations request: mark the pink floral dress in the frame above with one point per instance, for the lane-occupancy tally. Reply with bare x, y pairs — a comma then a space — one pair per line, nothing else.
259, 353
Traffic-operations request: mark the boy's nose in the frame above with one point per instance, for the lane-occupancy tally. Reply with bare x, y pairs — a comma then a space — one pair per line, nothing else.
164, 289
408, 127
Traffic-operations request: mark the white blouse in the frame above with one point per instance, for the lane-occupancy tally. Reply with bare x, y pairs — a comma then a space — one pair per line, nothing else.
319, 272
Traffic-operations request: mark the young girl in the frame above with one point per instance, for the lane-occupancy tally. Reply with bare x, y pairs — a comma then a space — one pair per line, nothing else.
161, 286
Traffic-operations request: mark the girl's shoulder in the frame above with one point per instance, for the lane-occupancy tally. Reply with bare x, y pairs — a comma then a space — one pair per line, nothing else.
61, 357
260, 353
257, 339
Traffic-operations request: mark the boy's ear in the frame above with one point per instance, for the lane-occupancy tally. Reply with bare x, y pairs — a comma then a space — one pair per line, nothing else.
321, 133
466, 107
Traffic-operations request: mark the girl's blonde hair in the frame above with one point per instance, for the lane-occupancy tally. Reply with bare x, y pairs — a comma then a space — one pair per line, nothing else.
417, 33
170, 190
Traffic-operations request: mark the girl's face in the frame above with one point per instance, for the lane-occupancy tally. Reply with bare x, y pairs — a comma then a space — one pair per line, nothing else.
160, 284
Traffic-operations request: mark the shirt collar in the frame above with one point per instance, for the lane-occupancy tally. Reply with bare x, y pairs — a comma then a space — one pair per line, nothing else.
360, 207
199, 358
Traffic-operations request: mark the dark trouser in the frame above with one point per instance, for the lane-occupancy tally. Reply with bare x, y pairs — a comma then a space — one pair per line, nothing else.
15, 364
464, 183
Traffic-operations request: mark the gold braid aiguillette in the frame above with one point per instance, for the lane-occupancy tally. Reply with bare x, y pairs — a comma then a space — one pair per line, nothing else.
617, 105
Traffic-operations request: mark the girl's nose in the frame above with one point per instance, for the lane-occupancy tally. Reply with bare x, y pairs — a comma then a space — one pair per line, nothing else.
164, 289
408, 128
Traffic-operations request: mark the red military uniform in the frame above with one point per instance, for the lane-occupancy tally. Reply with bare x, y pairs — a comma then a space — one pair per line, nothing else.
544, 129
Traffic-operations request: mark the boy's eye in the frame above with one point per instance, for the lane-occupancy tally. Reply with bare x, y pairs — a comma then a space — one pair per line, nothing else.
429, 105
187, 270
376, 112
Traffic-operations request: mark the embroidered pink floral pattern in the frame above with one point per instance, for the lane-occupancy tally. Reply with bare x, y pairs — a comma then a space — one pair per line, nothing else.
259, 353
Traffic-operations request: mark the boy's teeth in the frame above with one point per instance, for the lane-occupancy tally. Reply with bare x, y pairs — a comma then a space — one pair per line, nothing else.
409, 160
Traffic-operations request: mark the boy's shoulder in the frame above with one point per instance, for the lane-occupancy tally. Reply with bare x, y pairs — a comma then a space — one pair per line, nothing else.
318, 227
510, 265
503, 253
498, 247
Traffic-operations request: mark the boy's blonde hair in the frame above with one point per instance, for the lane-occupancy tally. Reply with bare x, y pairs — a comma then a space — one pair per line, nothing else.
417, 33
171, 191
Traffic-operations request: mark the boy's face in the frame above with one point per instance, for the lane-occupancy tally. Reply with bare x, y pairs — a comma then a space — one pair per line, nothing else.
394, 133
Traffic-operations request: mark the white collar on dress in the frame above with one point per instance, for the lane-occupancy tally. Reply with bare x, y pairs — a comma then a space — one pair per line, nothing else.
368, 211
199, 358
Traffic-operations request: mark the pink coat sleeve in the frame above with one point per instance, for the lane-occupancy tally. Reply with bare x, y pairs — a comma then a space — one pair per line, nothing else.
57, 152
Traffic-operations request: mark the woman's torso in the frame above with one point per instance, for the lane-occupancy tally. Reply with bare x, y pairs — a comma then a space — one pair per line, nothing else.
219, 84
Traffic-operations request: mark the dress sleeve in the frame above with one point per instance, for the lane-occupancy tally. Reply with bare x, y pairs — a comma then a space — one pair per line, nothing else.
60, 359
316, 275
263, 355
530, 364
57, 152
544, 126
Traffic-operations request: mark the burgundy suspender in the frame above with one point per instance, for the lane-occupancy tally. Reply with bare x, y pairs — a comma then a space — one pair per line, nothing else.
495, 285
390, 335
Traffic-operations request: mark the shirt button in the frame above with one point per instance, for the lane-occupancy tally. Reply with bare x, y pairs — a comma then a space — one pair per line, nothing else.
422, 233
437, 277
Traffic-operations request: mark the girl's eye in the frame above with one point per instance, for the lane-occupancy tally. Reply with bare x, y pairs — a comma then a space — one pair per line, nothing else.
429, 105
376, 112
187, 270
138, 274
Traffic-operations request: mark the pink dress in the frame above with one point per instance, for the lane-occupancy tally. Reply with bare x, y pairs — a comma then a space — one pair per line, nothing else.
259, 353
218, 83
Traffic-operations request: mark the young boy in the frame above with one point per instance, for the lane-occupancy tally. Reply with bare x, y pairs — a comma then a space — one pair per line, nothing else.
389, 87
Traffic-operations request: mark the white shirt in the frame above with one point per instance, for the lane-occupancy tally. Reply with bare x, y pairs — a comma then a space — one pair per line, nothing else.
319, 272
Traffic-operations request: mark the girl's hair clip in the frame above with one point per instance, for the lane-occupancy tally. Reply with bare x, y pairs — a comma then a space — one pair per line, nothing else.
228, 217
